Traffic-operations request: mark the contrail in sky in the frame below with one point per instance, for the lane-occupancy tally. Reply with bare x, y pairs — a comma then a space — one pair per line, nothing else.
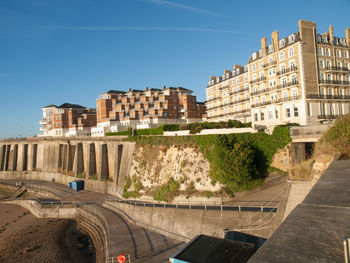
142, 28
181, 6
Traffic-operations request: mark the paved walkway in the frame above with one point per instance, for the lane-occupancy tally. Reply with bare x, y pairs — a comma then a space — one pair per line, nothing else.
142, 245
315, 229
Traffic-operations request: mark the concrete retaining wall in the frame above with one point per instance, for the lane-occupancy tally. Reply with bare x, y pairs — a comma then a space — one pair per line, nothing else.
102, 163
189, 223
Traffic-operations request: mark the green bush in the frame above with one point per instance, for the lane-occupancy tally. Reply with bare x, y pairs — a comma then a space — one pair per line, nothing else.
137, 187
239, 161
167, 191
153, 131
171, 127
338, 136
128, 132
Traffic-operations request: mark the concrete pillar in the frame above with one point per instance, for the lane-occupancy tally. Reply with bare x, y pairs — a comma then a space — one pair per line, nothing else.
118, 158
91, 161
22, 157
103, 162
7, 157
13, 157
70, 157
2, 157
78, 159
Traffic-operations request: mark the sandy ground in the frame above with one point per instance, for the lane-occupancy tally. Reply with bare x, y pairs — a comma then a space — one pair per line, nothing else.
25, 238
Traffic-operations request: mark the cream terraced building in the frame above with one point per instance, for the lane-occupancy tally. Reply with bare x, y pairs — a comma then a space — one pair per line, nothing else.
303, 78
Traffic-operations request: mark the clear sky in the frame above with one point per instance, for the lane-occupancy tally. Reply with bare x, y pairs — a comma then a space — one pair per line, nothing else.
56, 51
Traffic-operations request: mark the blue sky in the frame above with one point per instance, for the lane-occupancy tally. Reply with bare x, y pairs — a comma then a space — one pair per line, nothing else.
56, 51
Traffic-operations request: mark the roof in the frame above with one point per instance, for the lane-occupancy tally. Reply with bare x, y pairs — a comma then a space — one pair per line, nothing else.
207, 249
50, 106
71, 106
115, 92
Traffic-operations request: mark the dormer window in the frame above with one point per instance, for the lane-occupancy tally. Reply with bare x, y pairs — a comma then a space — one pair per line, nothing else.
282, 43
260, 53
238, 71
324, 39
254, 55
291, 39
270, 49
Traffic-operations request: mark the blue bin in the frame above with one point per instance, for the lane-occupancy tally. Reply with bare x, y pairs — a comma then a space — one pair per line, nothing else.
77, 185
70, 185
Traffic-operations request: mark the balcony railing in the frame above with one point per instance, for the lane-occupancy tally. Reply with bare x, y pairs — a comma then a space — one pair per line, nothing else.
337, 69
228, 104
232, 114
334, 82
269, 64
286, 71
328, 116
328, 97
278, 87
281, 100
239, 91
257, 80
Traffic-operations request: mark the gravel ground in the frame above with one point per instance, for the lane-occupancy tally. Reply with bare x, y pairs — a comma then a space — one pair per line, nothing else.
25, 238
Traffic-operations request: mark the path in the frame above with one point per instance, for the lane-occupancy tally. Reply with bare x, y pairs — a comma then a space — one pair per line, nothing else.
142, 245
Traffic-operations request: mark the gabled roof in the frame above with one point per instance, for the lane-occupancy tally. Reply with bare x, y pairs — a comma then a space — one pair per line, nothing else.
71, 106
50, 106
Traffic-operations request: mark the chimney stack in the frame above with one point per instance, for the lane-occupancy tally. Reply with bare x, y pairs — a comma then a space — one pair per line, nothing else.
331, 36
275, 40
347, 36
264, 46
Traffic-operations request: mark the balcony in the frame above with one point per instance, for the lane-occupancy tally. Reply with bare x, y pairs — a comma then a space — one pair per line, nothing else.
242, 112
43, 122
334, 82
338, 69
270, 64
281, 100
289, 70
239, 91
257, 80
328, 97
328, 116
278, 87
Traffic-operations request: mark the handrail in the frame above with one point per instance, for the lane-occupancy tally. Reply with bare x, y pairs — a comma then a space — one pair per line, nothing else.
256, 206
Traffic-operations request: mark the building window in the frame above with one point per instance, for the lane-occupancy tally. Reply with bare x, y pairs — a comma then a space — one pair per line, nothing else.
328, 65
281, 56
327, 52
284, 82
346, 54
291, 52
276, 113
256, 117
320, 51
295, 94
291, 39
292, 65
340, 108
283, 69
260, 65
287, 112
296, 112
282, 43
253, 67
270, 114
294, 79
321, 63
262, 117
338, 53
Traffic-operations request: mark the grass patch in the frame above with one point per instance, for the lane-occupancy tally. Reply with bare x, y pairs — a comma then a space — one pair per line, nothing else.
137, 187
302, 171
93, 177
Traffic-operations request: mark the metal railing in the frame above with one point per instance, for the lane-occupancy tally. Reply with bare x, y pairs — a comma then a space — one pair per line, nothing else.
278, 87
334, 82
328, 97
242, 206
290, 98
289, 70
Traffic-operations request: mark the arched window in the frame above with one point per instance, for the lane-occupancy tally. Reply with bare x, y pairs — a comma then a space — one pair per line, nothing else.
320, 51
291, 52
327, 52
281, 56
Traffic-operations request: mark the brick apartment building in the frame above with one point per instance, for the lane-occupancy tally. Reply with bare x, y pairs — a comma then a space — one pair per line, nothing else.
302, 78
119, 110
67, 120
